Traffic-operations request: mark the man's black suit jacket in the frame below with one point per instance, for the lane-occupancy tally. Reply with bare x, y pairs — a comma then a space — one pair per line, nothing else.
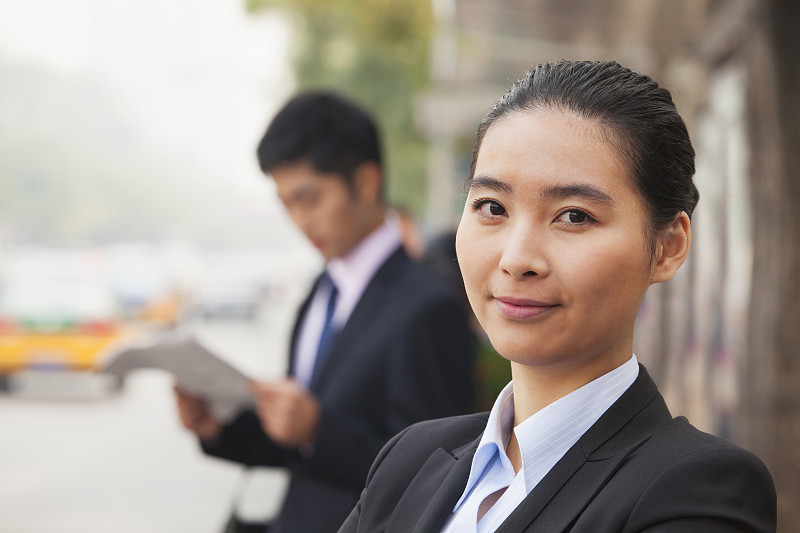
636, 469
404, 355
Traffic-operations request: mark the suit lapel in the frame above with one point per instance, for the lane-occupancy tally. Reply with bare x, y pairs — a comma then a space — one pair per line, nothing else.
430, 497
372, 299
556, 502
561, 496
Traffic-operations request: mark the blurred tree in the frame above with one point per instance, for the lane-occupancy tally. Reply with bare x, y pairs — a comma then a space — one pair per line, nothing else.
771, 384
377, 52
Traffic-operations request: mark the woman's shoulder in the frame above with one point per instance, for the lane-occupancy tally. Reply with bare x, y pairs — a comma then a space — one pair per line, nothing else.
419, 456
683, 440
681, 470
693, 446
414, 445
678, 446
450, 432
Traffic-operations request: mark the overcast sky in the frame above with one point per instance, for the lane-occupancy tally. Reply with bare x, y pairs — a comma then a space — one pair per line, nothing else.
195, 79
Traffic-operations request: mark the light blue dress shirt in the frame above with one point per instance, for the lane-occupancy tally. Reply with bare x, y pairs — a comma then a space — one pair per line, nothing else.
543, 439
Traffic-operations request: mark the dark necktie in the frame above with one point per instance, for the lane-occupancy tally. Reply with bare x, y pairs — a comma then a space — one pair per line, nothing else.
328, 329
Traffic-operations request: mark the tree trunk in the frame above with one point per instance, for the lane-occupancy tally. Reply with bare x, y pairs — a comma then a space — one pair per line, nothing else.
772, 398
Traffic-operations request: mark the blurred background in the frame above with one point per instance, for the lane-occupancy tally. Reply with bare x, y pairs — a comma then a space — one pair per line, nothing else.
131, 204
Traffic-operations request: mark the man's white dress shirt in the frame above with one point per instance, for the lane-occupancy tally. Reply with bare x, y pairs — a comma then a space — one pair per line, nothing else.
351, 275
543, 439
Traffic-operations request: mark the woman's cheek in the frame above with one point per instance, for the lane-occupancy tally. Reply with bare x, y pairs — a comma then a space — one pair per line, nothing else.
473, 263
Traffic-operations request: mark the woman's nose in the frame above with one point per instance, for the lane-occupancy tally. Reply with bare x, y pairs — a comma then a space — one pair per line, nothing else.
523, 255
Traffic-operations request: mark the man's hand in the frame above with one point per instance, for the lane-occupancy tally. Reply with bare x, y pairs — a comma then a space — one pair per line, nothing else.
289, 413
195, 415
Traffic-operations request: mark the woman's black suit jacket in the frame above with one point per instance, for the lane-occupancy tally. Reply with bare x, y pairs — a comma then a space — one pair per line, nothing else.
404, 355
636, 469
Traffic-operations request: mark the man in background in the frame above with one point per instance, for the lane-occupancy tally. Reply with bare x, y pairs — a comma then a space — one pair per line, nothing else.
378, 344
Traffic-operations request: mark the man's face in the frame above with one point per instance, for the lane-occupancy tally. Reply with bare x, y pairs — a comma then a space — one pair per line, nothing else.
334, 217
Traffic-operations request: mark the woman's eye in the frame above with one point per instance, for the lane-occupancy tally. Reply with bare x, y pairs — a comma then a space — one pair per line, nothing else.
574, 216
496, 209
490, 208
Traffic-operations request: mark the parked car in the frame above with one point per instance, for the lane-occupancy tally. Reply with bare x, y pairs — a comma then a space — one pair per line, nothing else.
55, 323
232, 285
228, 299
143, 285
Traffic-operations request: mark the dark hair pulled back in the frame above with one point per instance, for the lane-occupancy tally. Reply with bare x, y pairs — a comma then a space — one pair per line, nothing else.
635, 115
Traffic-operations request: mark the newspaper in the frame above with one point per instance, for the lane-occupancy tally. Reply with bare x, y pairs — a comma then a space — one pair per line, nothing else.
197, 370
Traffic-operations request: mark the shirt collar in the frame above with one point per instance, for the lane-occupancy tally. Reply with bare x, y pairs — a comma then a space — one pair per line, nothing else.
494, 439
547, 435
353, 272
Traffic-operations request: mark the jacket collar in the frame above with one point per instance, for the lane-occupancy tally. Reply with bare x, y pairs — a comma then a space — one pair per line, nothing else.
429, 499
564, 492
363, 309
373, 298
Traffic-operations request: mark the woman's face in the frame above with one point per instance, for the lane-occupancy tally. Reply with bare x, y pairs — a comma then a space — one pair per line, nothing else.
552, 243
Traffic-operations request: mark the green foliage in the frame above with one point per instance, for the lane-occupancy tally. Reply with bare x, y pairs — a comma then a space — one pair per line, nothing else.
377, 52
492, 374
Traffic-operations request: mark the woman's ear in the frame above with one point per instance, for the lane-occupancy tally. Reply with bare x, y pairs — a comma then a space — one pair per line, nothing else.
672, 249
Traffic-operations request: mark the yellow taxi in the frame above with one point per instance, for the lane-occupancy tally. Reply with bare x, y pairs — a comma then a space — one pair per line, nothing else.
56, 324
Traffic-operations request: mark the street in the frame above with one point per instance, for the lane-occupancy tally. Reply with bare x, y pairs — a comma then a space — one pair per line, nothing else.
73, 459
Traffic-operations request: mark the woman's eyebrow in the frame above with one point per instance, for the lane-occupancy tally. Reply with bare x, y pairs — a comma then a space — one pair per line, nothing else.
490, 183
580, 190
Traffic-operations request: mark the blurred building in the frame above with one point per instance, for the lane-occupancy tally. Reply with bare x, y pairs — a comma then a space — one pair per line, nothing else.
723, 338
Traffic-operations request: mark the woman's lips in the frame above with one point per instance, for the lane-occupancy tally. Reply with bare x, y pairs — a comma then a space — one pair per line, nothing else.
521, 308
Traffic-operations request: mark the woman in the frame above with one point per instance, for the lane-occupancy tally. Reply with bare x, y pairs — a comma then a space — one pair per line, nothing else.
580, 198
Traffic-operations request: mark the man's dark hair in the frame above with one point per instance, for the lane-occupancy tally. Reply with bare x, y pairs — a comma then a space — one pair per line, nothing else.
636, 116
330, 132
